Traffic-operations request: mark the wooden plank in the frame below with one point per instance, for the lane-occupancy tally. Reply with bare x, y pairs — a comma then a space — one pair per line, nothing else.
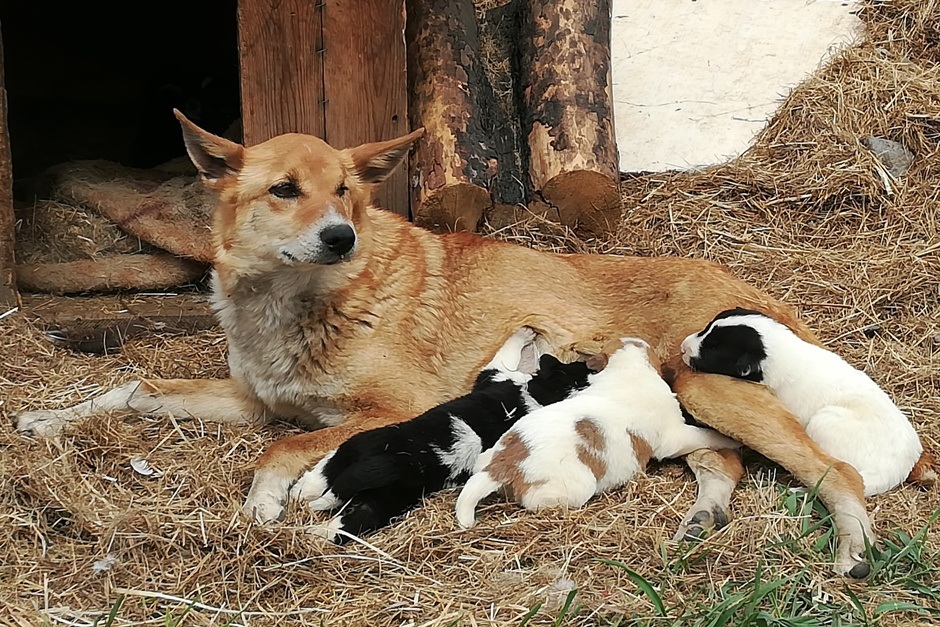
101, 324
8, 295
279, 48
365, 82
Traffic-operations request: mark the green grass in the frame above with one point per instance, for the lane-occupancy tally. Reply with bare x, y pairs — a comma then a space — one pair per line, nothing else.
905, 578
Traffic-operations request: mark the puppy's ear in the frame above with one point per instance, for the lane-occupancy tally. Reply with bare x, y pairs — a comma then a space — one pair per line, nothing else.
374, 162
529, 359
597, 362
215, 157
548, 362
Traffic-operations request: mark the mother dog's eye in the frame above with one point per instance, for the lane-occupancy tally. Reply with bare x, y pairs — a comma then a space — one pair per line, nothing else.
287, 189
341, 190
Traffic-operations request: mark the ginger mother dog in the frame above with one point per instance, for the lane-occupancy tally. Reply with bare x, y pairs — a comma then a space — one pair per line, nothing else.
344, 317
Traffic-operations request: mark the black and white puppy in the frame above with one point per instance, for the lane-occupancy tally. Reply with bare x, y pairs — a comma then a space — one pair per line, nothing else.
841, 408
380, 474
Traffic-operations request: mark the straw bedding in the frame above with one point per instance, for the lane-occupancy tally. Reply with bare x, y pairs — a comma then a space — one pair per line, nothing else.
805, 215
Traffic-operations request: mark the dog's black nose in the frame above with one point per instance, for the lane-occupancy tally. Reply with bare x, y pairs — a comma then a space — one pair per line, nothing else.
339, 238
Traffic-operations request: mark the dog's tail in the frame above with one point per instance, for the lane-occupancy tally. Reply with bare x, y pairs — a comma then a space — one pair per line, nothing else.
924, 472
478, 487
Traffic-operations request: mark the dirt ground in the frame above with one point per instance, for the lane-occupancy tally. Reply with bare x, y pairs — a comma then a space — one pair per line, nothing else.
808, 215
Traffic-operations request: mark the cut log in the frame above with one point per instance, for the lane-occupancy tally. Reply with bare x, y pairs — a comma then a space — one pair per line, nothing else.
120, 272
453, 164
101, 324
173, 213
501, 50
568, 111
8, 295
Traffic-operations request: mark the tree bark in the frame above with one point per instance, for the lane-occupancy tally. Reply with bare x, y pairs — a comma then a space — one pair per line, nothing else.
568, 111
8, 295
455, 165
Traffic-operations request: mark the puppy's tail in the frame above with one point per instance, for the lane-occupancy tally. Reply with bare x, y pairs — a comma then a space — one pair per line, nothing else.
924, 472
478, 487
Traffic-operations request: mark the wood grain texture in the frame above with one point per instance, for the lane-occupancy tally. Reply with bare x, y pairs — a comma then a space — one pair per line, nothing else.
279, 47
454, 162
101, 324
364, 78
8, 295
568, 110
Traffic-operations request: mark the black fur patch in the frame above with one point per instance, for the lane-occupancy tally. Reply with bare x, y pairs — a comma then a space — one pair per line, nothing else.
737, 351
728, 313
383, 473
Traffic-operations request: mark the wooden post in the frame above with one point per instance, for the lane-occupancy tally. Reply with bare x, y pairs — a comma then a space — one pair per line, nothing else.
454, 161
568, 111
8, 296
280, 45
364, 79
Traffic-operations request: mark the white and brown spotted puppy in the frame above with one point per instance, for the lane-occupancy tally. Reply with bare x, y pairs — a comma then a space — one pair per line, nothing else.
841, 408
595, 440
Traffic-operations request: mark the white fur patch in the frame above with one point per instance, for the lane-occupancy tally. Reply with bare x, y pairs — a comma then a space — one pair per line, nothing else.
312, 484
465, 450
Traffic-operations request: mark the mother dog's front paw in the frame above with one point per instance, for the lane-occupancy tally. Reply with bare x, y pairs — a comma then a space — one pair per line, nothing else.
267, 496
263, 509
42, 422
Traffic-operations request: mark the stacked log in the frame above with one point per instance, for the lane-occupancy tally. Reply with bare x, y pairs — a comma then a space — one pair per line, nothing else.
555, 146
457, 165
8, 295
568, 113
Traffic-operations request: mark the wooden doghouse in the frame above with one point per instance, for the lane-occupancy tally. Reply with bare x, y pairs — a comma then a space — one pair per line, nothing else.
353, 71
303, 66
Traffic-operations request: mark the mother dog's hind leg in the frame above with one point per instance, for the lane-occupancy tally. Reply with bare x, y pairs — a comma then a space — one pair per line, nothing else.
716, 473
214, 400
753, 416
286, 460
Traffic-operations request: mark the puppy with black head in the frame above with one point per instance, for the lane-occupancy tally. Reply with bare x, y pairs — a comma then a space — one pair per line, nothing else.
380, 474
841, 408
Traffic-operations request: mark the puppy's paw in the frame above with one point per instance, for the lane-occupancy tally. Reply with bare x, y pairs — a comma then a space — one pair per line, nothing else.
325, 503
329, 531
42, 422
700, 523
311, 485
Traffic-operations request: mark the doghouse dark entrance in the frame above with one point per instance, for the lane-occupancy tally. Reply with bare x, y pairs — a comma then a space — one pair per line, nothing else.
99, 79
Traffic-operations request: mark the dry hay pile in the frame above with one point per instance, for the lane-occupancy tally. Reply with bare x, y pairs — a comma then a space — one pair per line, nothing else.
805, 214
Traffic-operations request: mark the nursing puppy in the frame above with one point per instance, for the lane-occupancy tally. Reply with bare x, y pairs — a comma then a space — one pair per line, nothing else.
841, 408
597, 439
383, 473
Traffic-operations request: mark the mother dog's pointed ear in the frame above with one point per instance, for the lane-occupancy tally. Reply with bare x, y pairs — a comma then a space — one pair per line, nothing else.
374, 162
215, 157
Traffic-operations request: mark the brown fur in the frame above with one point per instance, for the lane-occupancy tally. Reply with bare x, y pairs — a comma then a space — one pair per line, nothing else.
924, 472
642, 450
590, 447
504, 467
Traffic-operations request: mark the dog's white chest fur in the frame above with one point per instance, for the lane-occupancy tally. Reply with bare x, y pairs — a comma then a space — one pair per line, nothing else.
269, 352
